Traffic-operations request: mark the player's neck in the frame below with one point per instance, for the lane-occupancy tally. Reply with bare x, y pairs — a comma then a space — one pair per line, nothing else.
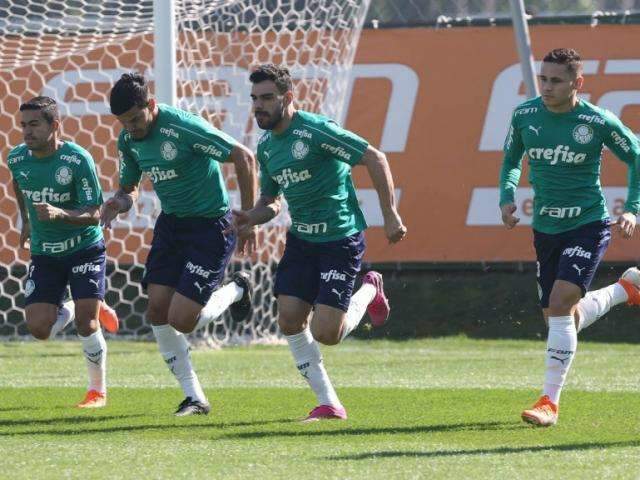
50, 149
564, 107
283, 124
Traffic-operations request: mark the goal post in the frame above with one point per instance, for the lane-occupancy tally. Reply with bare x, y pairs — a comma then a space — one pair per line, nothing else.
75, 51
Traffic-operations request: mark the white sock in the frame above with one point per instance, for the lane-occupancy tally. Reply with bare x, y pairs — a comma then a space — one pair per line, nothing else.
218, 303
357, 308
306, 354
66, 313
95, 351
174, 349
561, 347
598, 302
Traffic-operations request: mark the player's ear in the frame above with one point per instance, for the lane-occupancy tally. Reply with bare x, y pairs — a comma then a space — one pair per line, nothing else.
578, 82
288, 98
152, 104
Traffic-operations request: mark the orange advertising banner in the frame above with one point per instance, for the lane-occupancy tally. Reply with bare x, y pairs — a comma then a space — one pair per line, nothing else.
446, 164
438, 102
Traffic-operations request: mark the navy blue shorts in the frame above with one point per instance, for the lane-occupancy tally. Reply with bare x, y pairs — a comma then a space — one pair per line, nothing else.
189, 254
572, 256
320, 272
83, 270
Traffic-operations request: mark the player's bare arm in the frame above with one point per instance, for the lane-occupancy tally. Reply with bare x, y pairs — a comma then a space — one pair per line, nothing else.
89, 215
380, 173
25, 233
266, 208
245, 165
121, 202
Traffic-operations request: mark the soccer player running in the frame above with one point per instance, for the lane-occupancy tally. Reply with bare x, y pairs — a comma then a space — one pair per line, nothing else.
59, 197
563, 137
181, 154
308, 159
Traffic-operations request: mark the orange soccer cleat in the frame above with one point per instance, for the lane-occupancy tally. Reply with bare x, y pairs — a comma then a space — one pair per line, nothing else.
630, 281
543, 414
93, 399
108, 318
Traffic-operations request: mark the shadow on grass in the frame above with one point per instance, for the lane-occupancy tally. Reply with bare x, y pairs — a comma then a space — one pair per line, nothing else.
169, 427
45, 353
567, 447
305, 432
64, 420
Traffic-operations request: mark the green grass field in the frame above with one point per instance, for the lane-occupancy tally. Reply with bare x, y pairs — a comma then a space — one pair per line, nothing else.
445, 408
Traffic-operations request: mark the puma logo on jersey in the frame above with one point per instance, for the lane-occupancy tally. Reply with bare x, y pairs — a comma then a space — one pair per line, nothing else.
578, 268
198, 286
25, 174
339, 294
95, 282
535, 130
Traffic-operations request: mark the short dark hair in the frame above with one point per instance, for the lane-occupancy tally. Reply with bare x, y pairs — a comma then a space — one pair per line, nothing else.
565, 56
131, 90
277, 74
46, 105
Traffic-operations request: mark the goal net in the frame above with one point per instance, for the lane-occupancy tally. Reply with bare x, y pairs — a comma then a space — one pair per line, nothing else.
74, 50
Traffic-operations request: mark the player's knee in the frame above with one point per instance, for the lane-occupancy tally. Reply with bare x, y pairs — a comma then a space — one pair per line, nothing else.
157, 314
40, 330
183, 324
86, 325
561, 303
290, 324
325, 335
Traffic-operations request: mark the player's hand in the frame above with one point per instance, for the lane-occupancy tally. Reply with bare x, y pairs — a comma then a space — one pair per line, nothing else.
109, 211
25, 236
626, 224
243, 227
248, 241
508, 217
393, 227
46, 212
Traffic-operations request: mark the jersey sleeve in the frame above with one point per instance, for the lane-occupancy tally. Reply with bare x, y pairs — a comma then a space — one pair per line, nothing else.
130, 172
511, 164
87, 185
340, 143
624, 144
268, 186
204, 139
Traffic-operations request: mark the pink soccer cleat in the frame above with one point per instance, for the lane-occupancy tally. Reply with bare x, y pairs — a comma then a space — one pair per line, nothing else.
378, 309
326, 412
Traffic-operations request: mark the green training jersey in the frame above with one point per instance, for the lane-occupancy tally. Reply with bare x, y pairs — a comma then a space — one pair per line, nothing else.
310, 164
66, 179
181, 155
564, 152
